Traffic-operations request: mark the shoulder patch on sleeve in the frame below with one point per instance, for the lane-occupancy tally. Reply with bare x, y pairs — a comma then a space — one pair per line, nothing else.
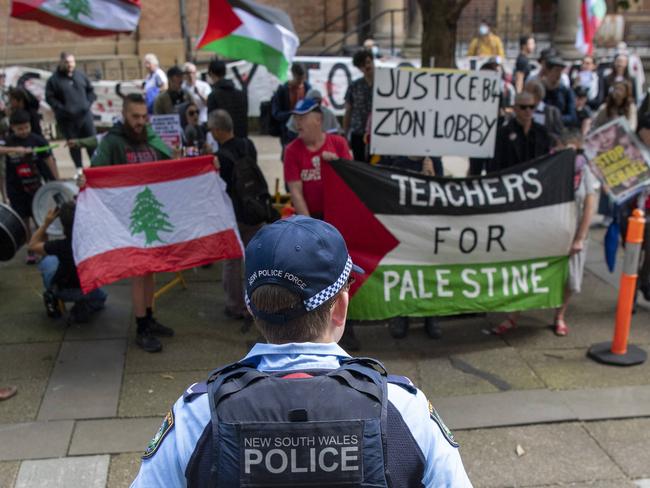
165, 427
441, 425
404, 382
194, 391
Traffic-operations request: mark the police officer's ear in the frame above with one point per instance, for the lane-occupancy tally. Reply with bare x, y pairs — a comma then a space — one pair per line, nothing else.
339, 311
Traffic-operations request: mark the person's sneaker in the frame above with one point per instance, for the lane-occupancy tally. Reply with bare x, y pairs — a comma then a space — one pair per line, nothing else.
398, 327
51, 304
79, 313
432, 327
349, 341
158, 329
148, 342
31, 259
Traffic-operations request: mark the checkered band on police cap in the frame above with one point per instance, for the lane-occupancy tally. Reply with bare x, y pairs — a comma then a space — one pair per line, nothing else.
304, 255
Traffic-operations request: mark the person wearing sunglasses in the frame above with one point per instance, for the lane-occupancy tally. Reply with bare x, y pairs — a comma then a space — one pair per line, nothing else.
195, 134
521, 139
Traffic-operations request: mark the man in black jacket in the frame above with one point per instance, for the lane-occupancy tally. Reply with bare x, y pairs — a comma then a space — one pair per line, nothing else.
521, 139
226, 97
70, 94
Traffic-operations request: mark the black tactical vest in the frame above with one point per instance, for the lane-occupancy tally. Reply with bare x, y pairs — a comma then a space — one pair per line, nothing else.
305, 429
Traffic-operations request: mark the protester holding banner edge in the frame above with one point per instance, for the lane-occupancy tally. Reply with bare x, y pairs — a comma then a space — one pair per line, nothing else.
133, 141
521, 139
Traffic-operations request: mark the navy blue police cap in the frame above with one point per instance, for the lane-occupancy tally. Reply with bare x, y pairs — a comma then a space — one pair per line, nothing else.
304, 255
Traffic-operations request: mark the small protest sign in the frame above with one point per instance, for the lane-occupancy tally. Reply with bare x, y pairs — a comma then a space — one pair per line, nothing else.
430, 112
618, 159
168, 128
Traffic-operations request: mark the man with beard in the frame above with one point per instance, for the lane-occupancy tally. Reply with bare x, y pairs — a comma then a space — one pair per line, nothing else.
134, 141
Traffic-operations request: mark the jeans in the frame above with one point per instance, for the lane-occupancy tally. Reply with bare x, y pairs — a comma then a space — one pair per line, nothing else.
48, 266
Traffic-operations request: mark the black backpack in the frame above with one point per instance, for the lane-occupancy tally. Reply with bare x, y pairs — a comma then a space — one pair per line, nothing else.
249, 191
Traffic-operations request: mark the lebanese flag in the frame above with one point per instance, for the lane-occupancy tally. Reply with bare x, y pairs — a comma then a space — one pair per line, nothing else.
242, 29
85, 17
592, 14
135, 219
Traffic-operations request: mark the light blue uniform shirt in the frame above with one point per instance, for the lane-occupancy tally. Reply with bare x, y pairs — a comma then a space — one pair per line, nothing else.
166, 467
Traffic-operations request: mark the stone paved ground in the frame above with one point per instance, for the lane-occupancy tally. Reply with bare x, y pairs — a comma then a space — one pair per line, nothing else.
89, 400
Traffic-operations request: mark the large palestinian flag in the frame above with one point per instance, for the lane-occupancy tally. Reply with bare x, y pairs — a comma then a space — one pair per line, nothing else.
85, 17
135, 219
444, 246
241, 29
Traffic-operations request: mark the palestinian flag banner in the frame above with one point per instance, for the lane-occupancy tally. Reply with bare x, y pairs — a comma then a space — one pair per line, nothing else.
241, 29
444, 246
85, 17
135, 219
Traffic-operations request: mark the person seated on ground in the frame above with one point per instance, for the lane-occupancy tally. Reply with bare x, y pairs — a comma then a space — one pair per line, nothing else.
586, 187
26, 170
521, 139
58, 269
167, 102
300, 389
330, 122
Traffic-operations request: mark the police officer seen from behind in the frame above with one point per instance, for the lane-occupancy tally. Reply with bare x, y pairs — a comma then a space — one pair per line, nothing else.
299, 411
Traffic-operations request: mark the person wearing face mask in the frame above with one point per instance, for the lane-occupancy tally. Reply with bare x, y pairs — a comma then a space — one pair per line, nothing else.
486, 44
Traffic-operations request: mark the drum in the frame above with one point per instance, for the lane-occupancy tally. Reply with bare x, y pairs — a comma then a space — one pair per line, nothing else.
13, 234
46, 198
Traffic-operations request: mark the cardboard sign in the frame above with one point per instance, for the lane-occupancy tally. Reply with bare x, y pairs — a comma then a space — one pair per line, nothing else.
430, 112
618, 159
168, 128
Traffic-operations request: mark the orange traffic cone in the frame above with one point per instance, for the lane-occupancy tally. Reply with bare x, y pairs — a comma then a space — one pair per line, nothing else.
618, 352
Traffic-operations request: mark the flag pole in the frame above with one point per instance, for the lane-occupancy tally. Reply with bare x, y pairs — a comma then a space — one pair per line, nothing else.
4, 48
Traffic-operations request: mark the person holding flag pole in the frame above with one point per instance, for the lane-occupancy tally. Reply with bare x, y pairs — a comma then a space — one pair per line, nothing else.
134, 141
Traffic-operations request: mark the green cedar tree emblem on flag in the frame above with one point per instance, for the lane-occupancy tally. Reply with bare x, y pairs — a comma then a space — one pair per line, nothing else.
76, 8
148, 217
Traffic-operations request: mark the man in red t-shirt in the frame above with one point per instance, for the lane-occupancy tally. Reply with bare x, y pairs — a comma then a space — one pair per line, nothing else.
303, 156
302, 173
